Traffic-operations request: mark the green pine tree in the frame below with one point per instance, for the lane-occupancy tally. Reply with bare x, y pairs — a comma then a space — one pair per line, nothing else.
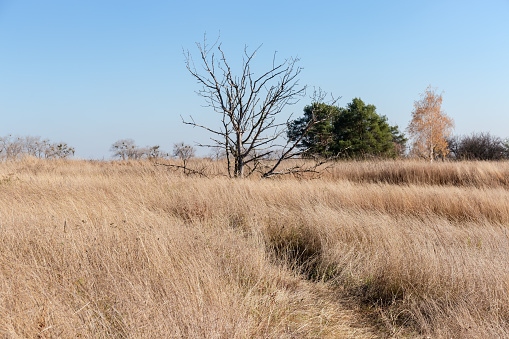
356, 131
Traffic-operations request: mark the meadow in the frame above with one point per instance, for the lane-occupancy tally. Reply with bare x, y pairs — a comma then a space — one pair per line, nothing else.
97, 249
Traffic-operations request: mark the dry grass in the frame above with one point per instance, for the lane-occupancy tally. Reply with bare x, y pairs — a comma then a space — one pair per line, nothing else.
110, 249
410, 172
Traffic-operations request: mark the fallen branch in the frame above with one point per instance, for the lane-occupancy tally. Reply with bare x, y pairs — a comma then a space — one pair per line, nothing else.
187, 170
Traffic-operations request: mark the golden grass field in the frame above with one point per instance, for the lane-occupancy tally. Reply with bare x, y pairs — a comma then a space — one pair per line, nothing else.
368, 250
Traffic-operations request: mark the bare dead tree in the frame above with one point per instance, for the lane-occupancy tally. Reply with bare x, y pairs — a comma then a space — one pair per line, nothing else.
249, 107
184, 153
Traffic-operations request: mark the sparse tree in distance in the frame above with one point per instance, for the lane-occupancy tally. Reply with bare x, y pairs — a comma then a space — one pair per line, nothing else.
249, 108
126, 149
155, 152
59, 150
217, 154
184, 153
430, 126
11, 147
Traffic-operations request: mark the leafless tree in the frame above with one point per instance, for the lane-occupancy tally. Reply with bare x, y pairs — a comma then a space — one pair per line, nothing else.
11, 147
15, 147
184, 153
478, 146
32, 146
155, 152
58, 150
249, 107
217, 154
126, 149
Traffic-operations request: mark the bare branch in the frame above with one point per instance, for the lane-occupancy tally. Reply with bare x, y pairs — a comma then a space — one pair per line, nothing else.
186, 169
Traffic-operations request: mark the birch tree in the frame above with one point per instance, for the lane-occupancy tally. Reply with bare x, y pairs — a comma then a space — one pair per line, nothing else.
430, 126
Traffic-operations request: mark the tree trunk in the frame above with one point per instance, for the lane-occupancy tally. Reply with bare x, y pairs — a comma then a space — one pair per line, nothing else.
239, 167
239, 158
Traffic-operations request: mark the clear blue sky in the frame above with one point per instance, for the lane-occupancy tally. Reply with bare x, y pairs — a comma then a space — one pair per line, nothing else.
92, 72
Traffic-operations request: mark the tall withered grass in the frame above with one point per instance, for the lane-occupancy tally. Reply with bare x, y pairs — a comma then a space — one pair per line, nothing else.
411, 172
129, 249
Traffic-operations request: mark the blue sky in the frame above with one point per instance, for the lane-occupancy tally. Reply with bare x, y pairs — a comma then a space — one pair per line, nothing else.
92, 72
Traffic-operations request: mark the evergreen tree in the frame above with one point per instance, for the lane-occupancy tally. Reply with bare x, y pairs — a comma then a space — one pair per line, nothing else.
318, 139
354, 131
359, 131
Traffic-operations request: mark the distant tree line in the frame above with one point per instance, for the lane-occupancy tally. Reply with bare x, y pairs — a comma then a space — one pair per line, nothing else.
16, 147
352, 132
356, 131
